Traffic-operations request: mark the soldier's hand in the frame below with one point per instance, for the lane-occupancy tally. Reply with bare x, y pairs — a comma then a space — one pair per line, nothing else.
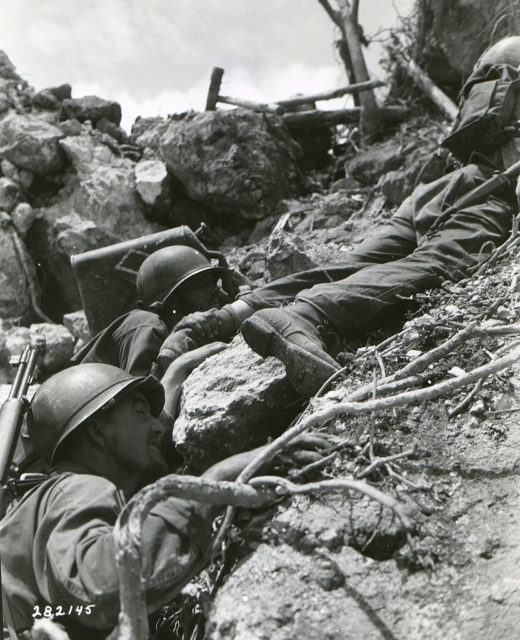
202, 324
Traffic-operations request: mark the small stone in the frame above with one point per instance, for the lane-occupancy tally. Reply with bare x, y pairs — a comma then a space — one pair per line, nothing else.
286, 254
25, 178
9, 194
59, 345
505, 314
76, 323
9, 170
478, 408
16, 341
23, 216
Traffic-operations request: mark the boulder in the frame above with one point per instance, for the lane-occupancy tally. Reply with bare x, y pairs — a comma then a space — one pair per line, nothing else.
153, 185
15, 301
23, 217
235, 162
7, 69
62, 92
230, 403
90, 108
9, 170
45, 100
86, 154
368, 165
31, 143
76, 323
9, 194
107, 126
286, 254
59, 345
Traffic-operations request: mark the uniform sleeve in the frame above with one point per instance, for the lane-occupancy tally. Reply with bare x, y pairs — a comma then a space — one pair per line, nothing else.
76, 536
138, 342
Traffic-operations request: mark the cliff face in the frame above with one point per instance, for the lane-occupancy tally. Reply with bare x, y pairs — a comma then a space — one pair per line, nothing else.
451, 34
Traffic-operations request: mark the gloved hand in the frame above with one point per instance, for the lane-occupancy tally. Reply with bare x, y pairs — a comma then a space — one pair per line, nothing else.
177, 343
208, 326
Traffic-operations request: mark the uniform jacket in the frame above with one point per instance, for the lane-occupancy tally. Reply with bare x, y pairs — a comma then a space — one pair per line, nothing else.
57, 549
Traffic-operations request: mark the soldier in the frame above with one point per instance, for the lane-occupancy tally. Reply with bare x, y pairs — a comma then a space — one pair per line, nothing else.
419, 249
97, 427
171, 283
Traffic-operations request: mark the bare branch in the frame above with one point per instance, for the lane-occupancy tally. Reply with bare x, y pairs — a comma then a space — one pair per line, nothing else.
334, 15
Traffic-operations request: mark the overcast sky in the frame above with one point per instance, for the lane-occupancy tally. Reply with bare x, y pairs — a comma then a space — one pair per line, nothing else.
155, 56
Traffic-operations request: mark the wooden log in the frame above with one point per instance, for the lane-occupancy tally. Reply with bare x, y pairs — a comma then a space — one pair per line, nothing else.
371, 118
214, 88
431, 90
329, 95
249, 104
320, 118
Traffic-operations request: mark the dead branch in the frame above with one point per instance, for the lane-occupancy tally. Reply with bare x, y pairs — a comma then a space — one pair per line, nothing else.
317, 118
286, 487
379, 462
249, 104
329, 411
429, 88
334, 15
329, 95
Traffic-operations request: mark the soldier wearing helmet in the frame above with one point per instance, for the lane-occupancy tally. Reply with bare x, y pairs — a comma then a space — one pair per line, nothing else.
171, 282
97, 427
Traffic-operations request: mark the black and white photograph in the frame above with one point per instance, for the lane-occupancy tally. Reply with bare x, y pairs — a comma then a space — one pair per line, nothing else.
260, 319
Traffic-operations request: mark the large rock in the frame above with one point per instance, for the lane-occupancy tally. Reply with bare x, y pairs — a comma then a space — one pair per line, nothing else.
86, 154
90, 108
451, 34
15, 301
368, 165
286, 254
31, 143
235, 162
59, 345
153, 185
230, 403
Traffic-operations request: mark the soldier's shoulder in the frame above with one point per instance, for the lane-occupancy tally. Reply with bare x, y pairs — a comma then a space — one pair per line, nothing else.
140, 317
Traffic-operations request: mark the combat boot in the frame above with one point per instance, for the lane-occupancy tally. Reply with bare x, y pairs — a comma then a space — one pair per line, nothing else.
295, 341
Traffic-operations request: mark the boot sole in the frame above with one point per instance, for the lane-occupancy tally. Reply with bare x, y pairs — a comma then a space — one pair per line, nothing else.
306, 371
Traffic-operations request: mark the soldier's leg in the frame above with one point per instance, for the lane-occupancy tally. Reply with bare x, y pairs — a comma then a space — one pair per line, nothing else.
395, 240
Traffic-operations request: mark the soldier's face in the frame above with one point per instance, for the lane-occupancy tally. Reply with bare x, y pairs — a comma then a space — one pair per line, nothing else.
199, 293
136, 440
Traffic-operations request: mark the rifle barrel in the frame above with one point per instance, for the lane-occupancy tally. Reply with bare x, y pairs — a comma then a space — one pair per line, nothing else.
20, 373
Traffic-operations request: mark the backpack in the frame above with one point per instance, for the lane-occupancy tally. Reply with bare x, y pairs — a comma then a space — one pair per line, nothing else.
487, 103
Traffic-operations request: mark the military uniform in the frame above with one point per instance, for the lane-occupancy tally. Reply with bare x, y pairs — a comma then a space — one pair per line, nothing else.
407, 256
67, 523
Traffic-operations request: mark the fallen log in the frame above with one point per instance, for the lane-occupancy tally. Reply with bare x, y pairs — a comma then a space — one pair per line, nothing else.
320, 118
330, 95
429, 88
249, 104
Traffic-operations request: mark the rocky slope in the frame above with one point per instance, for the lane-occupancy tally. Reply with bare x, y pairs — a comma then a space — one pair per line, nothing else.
331, 566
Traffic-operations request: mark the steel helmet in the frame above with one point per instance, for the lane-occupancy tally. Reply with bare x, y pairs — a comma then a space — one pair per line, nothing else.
165, 270
68, 398
505, 51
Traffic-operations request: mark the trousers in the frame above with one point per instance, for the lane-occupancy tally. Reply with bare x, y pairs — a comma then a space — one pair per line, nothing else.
408, 256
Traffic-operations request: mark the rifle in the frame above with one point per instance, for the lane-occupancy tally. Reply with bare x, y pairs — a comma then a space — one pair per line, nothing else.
12, 412
11, 418
478, 194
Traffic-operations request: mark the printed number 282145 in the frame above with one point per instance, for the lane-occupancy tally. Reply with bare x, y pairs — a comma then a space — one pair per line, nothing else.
61, 610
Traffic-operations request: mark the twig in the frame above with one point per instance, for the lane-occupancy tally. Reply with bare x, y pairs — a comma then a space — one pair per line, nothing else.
314, 466
336, 484
466, 400
379, 462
